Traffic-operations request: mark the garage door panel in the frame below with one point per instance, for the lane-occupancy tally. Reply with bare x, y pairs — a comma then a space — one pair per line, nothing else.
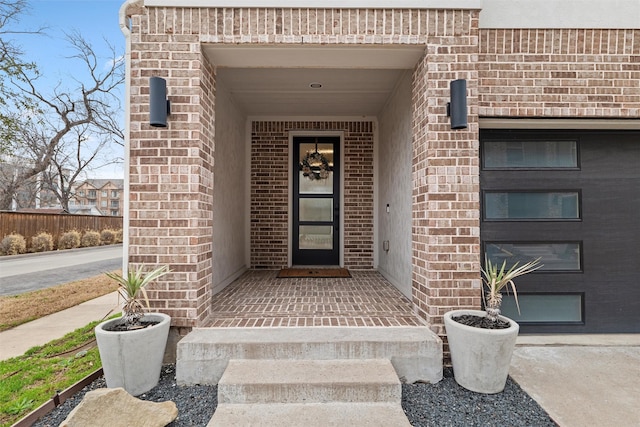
607, 176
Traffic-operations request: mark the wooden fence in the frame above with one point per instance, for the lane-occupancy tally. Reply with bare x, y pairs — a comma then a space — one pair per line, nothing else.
29, 224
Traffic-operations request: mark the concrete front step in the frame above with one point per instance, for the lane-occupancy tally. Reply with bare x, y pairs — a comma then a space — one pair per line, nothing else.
310, 415
415, 352
306, 381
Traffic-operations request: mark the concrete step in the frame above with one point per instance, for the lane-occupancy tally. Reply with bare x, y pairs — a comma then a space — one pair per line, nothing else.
310, 415
306, 381
415, 352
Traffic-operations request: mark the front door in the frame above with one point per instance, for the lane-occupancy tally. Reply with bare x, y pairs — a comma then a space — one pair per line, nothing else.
316, 201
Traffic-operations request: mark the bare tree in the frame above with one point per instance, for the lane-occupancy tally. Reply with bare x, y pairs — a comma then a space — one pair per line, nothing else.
72, 159
12, 66
93, 107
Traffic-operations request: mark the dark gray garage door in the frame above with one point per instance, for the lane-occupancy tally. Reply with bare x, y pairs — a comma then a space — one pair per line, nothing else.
573, 199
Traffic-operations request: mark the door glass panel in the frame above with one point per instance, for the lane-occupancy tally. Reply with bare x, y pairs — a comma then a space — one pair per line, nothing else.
316, 237
316, 209
554, 256
530, 154
316, 168
531, 205
543, 308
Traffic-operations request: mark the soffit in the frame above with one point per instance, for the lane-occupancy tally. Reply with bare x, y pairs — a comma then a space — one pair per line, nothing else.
276, 80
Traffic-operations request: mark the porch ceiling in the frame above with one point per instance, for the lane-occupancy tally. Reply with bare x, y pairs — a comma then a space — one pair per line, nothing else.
276, 80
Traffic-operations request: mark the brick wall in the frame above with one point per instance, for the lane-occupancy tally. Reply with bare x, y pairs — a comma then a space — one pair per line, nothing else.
446, 228
270, 172
559, 73
170, 168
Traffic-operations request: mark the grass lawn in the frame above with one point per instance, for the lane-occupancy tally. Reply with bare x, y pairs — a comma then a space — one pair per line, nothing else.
19, 309
29, 380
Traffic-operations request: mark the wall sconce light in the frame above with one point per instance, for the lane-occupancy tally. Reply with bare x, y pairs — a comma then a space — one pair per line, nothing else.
159, 105
457, 108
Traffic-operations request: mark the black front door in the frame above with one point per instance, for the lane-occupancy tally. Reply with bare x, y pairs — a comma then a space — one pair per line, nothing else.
316, 201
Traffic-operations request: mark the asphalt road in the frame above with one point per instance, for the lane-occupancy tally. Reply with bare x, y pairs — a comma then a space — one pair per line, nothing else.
30, 272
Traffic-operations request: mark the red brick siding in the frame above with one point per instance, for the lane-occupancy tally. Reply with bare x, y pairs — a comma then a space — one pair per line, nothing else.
270, 192
446, 233
559, 73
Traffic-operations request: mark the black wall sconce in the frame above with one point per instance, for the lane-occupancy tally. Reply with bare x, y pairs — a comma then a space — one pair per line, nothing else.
159, 105
457, 108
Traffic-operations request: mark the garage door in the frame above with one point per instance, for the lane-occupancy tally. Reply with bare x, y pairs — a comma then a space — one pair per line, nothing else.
573, 199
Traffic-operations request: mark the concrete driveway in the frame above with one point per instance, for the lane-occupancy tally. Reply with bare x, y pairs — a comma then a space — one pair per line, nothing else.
582, 380
29, 272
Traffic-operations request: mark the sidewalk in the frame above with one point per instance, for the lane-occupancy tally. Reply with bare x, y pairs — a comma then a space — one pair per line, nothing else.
14, 342
582, 380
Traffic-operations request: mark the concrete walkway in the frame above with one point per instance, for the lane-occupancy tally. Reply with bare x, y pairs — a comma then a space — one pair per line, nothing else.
14, 342
580, 380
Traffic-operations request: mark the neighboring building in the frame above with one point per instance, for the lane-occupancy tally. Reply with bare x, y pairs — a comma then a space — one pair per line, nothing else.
98, 197
32, 193
267, 94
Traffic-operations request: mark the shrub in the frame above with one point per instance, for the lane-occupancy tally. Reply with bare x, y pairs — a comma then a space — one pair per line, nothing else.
13, 244
42, 242
108, 236
69, 240
90, 238
119, 237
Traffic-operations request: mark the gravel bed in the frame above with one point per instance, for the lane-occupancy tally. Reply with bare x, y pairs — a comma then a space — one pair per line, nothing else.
445, 404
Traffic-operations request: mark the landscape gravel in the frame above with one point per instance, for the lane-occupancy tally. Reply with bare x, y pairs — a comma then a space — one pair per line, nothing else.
444, 404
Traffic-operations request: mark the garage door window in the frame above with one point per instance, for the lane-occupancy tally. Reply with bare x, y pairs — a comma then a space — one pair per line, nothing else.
555, 256
530, 205
530, 154
545, 308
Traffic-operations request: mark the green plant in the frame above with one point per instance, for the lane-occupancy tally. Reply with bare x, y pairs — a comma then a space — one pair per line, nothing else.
132, 289
13, 244
90, 238
497, 278
42, 242
69, 240
19, 406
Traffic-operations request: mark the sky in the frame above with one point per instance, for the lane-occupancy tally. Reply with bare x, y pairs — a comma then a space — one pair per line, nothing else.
95, 20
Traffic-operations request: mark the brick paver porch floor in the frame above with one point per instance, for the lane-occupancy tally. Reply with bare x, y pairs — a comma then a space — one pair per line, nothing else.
259, 299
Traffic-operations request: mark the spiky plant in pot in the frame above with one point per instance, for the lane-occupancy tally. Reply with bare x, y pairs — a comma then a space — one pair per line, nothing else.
132, 290
497, 278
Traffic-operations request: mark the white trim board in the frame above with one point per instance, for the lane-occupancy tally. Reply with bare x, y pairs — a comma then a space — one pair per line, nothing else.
323, 4
609, 124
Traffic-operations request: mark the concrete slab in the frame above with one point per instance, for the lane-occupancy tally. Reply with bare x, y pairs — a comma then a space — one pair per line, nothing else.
14, 342
415, 351
310, 415
592, 385
309, 381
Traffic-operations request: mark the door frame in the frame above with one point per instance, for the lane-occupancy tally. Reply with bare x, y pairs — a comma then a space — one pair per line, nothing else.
290, 197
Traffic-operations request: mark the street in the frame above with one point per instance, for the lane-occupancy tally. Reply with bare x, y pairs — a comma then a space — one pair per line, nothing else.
30, 272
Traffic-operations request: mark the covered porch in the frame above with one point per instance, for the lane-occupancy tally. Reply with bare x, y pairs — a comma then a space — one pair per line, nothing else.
260, 299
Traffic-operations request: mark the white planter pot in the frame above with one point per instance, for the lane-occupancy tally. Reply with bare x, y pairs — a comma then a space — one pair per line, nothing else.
480, 357
133, 359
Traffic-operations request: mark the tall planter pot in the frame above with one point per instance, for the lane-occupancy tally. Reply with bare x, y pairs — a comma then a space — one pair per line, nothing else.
133, 359
480, 357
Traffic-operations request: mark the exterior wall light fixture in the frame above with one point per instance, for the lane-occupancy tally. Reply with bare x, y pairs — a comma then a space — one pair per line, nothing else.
457, 108
159, 105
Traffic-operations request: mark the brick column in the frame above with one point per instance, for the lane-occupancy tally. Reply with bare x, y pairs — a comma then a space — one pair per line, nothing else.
446, 225
171, 180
